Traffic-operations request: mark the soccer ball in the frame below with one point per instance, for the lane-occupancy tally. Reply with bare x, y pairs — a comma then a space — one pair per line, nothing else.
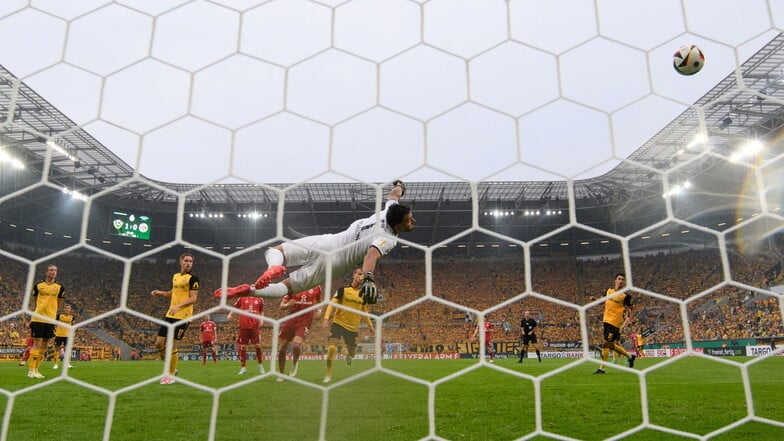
688, 60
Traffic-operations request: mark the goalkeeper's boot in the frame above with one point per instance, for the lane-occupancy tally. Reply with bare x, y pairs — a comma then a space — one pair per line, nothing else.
271, 274
294, 370
631, 360
36, 374
235, 291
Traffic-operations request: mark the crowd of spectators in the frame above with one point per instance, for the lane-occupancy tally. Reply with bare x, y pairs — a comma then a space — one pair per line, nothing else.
463, 287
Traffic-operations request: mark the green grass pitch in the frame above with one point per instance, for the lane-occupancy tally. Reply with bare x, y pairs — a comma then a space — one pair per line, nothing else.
694, 395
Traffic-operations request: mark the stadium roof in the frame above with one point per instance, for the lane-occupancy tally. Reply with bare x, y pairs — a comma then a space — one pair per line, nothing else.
732, 112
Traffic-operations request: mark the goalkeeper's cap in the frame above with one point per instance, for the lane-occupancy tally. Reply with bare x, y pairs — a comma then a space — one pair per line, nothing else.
396, 213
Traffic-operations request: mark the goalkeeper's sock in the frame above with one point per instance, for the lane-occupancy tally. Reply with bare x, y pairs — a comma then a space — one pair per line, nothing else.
273, 257
273, 290
539, 355
162, 353
331, 351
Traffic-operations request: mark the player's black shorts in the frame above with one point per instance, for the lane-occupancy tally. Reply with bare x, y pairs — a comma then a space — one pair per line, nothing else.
611, 333
60, 341
42, 330
179, 330
337, 331
529, 338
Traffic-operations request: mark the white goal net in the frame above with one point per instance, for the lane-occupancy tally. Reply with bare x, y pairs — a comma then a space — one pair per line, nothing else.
546, 146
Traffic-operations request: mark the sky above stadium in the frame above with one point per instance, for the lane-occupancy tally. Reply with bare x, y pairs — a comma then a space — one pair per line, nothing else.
284, 91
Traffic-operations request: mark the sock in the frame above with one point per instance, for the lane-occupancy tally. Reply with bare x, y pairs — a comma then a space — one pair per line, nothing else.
259, 357
174, 360
243, 356
282, 358
605, 357
331, 351
203, 356
214, 356
620, 350
523, 353
273, 257
162, 353
273, 290
538, 355
35, 358
296, 351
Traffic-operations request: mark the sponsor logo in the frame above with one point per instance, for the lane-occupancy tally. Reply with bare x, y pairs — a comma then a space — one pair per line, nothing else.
759, 351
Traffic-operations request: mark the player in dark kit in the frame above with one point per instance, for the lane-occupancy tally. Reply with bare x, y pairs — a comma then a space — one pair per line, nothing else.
528, 336
182, 296
48, 295
62, 334
615, 308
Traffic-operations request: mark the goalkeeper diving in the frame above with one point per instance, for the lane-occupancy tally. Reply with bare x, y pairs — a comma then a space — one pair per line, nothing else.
363, 242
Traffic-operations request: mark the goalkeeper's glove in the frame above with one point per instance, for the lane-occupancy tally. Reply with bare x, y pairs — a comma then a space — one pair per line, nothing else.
402, 186
368, 290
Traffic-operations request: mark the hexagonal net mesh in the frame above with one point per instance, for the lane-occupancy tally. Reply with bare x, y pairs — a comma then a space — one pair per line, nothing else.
537, 168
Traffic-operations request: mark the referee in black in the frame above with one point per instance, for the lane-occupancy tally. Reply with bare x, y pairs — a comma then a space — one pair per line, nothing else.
528, 336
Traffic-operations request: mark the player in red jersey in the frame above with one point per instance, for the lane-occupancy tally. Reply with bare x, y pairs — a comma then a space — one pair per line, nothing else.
488, 339
637, 344
28, 346
209, 333
249, 329
296, 328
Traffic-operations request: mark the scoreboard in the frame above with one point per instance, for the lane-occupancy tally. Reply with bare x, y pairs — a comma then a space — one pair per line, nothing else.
136, 226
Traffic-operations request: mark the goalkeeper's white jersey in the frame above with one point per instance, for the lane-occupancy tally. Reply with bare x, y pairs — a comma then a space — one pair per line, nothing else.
347, 249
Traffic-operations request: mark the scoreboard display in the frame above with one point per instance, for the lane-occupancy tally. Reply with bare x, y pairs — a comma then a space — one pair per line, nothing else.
136, 226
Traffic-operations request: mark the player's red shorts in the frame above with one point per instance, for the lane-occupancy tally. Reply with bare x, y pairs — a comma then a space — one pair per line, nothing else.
292, 329
207, 344
247, 336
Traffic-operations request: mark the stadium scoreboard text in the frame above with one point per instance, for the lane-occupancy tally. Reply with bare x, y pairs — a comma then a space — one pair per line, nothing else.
131, 225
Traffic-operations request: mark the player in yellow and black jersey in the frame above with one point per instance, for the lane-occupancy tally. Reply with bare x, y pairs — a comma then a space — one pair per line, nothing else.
345, 324
62, 334
48, 295
183, 294
615, 308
